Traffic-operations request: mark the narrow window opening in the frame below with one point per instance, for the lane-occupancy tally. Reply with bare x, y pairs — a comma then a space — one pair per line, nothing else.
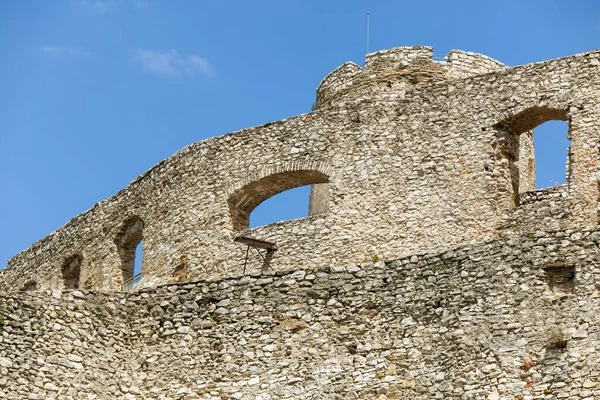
138, 259
71, 271
552, 148
129, 246
290, 204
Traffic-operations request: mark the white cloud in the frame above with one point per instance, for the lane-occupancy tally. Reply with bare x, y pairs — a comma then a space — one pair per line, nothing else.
101, 7
97, 6
143, 4
66, 51
171, 63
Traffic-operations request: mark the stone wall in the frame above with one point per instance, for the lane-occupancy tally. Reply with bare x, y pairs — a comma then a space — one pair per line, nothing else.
514, 318
462, 64
409, 157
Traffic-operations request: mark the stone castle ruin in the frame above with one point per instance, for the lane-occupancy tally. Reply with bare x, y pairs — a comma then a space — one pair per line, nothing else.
429, 265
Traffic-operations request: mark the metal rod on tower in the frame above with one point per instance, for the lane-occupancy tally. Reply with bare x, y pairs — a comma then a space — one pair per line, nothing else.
368, 17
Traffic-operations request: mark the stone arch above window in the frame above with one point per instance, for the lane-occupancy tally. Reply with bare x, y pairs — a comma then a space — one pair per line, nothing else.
247, 198
127, 239
531, 117
71, 271
514, 157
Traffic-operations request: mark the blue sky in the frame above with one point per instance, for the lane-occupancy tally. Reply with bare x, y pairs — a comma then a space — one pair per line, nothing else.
96, 92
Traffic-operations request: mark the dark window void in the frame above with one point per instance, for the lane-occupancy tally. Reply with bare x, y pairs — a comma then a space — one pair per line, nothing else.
516, 152
292, 205
71, 271
560, 278
29, 286
127, 241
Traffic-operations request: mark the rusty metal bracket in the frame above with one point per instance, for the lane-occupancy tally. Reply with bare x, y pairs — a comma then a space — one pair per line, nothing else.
257, 244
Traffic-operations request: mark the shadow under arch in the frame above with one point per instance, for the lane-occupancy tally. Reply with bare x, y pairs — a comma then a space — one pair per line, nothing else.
245, 199
514, 154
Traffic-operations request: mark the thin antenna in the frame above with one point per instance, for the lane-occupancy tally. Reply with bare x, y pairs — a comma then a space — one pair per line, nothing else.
368, 18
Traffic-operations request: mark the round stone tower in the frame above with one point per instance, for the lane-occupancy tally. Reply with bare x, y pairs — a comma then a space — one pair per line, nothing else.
398, 70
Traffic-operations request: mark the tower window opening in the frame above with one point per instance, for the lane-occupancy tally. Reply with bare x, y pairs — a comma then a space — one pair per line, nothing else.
552, 154
532, 152
560, 277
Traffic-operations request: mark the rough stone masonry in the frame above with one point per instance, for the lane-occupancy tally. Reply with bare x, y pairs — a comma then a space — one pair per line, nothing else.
429, 266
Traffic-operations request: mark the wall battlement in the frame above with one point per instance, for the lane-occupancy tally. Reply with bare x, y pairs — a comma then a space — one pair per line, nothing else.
437, 155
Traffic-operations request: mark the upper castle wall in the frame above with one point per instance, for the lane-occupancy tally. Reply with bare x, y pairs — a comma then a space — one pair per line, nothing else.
397, 173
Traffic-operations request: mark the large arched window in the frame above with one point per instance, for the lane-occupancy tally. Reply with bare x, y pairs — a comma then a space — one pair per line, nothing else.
129, 237
244, 200
515, 155
71, 271
289, 204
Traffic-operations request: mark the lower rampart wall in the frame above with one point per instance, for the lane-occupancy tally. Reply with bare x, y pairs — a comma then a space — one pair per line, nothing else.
512, 318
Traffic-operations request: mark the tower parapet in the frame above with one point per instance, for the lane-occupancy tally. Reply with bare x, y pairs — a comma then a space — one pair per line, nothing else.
398, 70
337, 82
463, 64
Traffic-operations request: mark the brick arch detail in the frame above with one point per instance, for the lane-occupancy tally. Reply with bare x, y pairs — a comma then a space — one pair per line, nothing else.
288, 166
527, 115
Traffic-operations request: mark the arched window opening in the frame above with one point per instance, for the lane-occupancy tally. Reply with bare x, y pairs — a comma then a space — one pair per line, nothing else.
127, 241
244, 200
71, 271
290, 204
515, 158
